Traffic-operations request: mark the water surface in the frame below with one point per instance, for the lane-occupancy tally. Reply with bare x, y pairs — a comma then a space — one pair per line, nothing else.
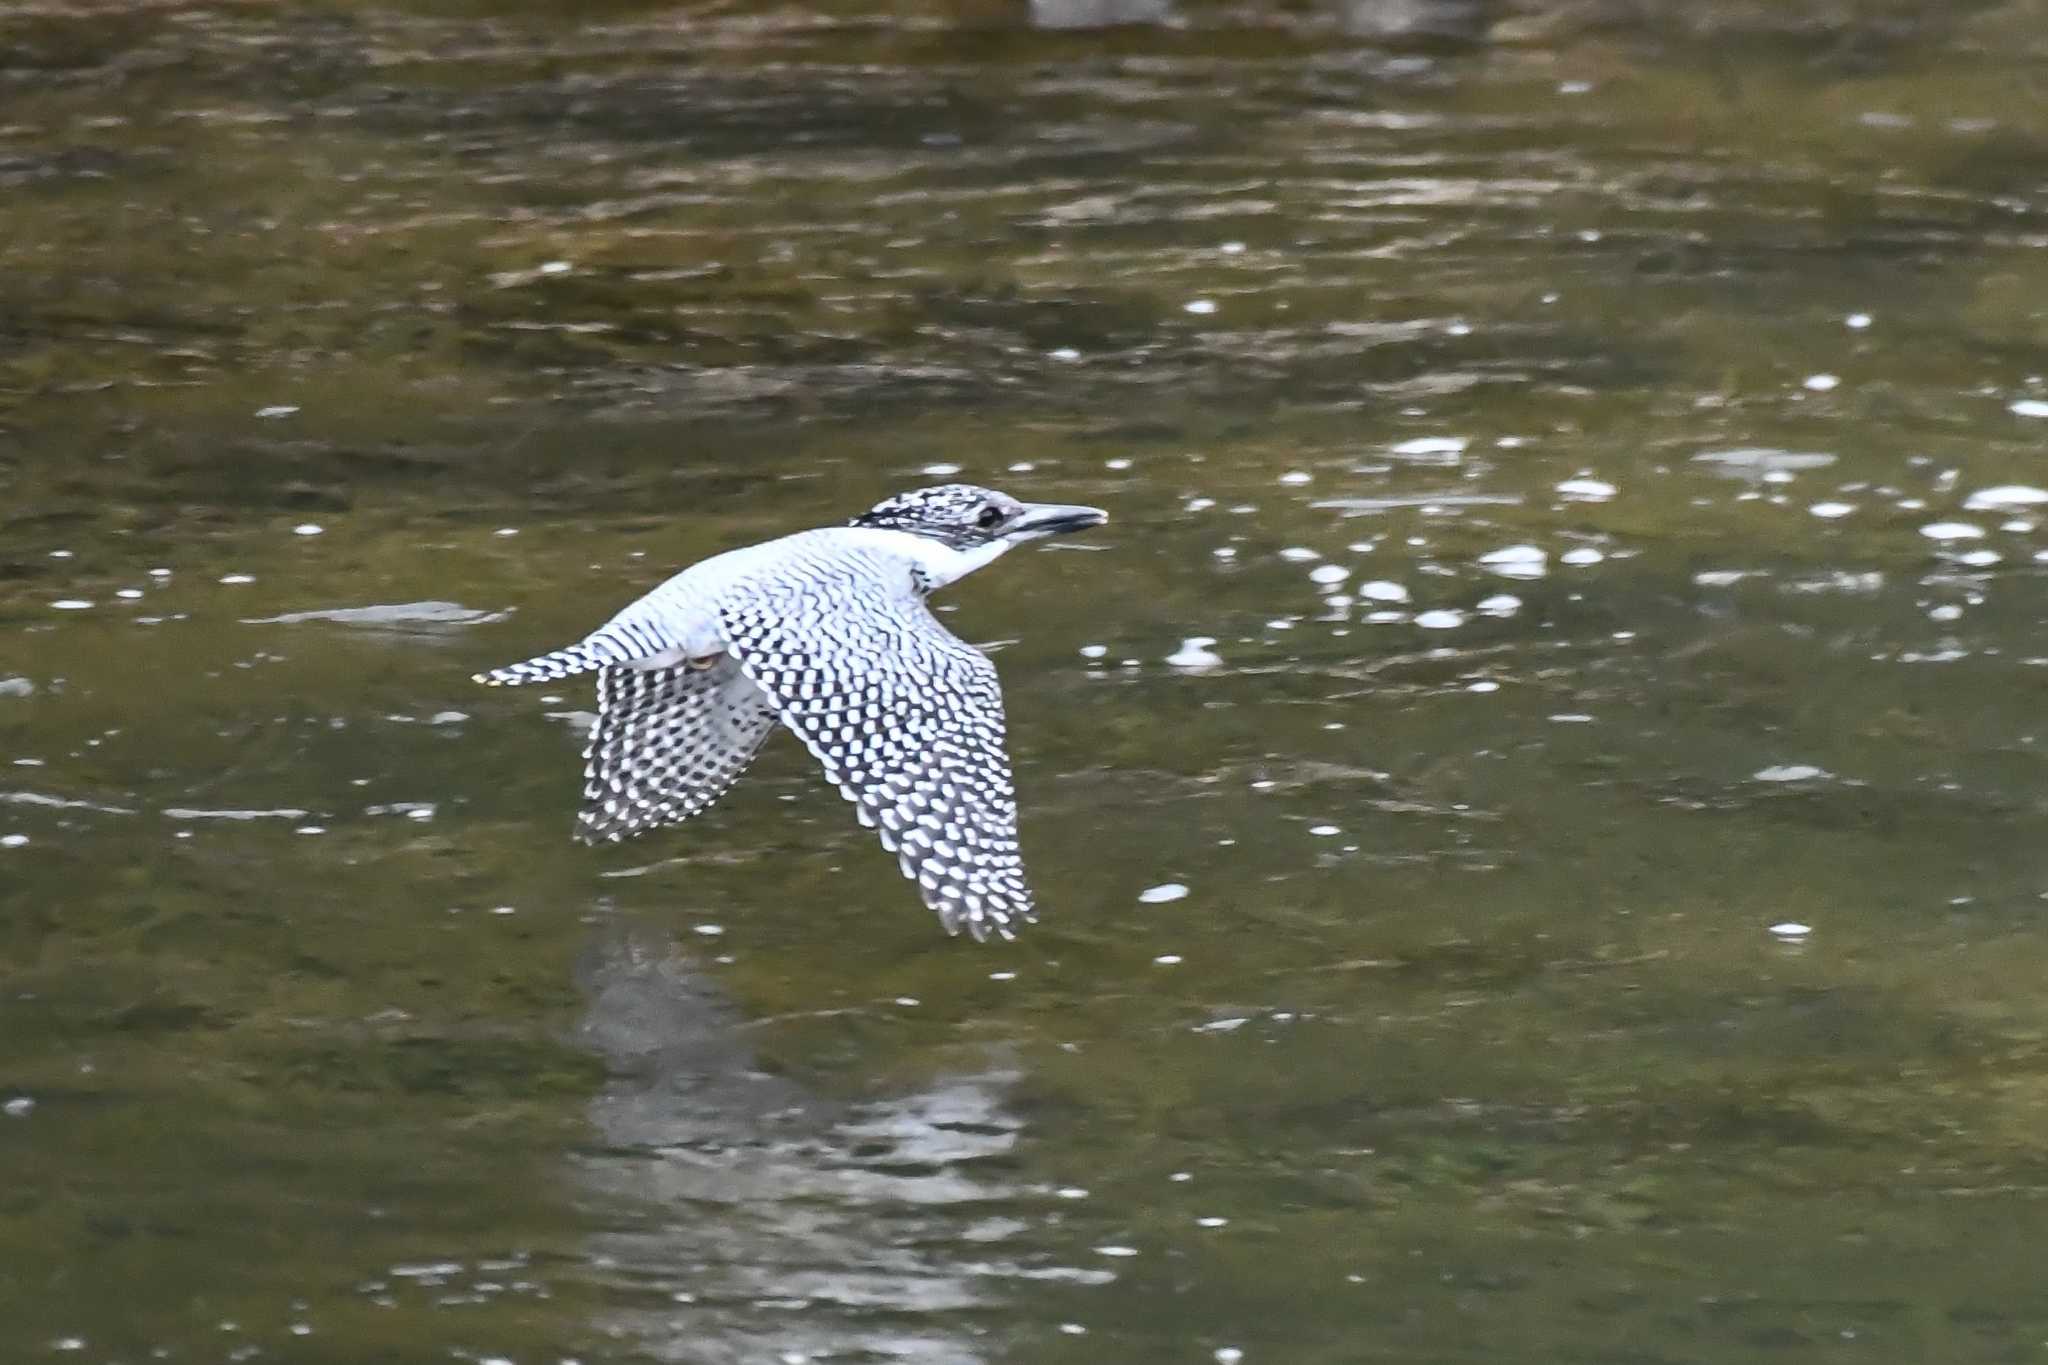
1604, 462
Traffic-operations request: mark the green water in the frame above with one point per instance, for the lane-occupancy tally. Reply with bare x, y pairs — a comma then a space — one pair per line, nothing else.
1470, 1039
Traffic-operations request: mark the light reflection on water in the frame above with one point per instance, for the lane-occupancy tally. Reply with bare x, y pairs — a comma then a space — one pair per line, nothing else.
1574, 525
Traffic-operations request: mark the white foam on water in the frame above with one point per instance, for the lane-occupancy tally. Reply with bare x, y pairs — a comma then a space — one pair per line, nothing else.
1791, 772
1194, 652
2004, 496
1517, 561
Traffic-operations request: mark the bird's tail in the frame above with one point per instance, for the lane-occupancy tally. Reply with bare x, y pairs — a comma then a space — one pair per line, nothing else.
563, 663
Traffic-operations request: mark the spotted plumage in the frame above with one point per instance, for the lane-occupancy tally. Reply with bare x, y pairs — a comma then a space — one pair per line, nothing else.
827, 632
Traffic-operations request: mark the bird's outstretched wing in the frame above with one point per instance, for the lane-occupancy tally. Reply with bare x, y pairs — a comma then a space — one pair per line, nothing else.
668, 742
908, 723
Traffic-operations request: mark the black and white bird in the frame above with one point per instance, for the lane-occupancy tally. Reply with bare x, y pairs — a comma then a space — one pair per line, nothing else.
827, 632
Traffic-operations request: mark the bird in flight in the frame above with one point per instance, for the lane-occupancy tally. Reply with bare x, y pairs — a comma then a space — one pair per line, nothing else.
827, 632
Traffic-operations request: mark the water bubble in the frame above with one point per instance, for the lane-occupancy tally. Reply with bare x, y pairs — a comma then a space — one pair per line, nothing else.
1821, 383
237, 578
1212, 1222
1116, 1251
1194, 652
1483, 685
2004, 496
20, 1107
1162, 893
1379, 590
1947, 612
1199, 307
1064, 353
1830, 510
1168, 960
1856, 322
1501, 604
2029, 407
1094, 651
1439, 446
1952, 530
1516, 561
1121, 462
1440, 620
1583, 555
275, 411
71, 604
1298, 554
308, 528
1297, 477
1587, 490
940, 471
1230, 1355
1791, 772
1791, 929
1071, 1192
1328, 573
1002, 976
554, 267
1324, 831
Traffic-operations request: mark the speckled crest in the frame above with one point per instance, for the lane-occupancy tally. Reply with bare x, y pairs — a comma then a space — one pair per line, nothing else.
959, 514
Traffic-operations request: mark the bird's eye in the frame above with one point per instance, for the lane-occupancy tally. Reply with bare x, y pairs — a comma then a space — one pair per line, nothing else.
990, 518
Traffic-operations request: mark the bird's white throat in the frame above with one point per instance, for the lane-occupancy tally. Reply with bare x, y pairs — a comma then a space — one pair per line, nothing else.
942, 564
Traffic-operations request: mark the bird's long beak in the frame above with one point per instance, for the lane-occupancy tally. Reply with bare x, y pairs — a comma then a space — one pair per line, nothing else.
1052, 519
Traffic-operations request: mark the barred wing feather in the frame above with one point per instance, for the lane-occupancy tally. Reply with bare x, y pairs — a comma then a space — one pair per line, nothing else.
908, 723
667, 744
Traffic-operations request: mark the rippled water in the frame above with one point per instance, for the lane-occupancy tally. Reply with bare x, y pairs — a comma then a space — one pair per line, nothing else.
1535, 796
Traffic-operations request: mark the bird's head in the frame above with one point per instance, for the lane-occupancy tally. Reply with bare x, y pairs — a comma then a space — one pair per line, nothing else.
964, 517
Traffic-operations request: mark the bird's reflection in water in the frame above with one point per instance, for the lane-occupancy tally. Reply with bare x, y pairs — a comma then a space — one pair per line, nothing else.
756, 1222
